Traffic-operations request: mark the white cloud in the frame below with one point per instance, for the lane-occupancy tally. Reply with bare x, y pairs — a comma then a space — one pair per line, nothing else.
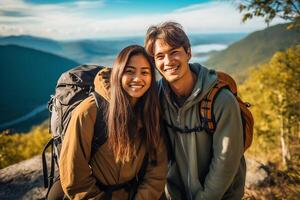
72, 20
214, 17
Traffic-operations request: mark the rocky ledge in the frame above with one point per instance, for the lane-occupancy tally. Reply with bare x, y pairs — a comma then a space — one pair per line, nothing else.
24, 180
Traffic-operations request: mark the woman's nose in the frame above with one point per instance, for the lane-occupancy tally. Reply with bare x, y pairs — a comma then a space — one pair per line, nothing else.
136, 77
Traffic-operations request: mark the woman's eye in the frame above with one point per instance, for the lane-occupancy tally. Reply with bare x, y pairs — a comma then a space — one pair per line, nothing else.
145, 72
129, 71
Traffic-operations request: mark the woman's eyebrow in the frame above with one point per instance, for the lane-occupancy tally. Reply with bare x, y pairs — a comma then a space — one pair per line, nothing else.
129, 66
132, 67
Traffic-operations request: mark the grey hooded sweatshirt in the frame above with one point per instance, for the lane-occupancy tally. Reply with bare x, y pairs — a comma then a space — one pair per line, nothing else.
205, 166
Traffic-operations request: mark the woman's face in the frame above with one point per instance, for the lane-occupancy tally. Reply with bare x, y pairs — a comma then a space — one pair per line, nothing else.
136, 78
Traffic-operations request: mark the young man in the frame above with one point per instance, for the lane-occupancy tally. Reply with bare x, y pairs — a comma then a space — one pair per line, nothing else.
204, 165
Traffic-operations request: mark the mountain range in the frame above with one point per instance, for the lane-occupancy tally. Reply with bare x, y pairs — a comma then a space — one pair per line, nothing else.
81, 51
28, 78
103, 51
30, 66
258, 47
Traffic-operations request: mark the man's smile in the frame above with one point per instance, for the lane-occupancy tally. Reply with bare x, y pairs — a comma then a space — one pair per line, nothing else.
171, 69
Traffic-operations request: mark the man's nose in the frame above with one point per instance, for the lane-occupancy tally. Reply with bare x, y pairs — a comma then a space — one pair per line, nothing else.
167, 59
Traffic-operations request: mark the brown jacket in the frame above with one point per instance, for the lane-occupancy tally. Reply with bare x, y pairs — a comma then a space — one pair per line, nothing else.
78, 177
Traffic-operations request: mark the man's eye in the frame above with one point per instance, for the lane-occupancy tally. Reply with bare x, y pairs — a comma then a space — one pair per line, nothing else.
159, 57
174, 52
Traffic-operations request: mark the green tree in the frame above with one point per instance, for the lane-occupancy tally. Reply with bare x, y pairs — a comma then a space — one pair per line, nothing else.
269, 9
274, 89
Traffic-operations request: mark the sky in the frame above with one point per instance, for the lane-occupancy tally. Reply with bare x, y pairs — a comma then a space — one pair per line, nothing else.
90, 19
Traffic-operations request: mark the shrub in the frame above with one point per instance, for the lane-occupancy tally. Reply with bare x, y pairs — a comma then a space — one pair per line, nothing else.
20, 146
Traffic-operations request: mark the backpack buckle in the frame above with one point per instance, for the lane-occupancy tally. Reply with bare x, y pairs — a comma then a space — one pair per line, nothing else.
247, 104
186, 129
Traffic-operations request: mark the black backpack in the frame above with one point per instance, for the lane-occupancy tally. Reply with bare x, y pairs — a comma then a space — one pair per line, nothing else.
72, 88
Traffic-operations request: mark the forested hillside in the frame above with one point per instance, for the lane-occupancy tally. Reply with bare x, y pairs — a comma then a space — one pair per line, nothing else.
273, 89
256, 48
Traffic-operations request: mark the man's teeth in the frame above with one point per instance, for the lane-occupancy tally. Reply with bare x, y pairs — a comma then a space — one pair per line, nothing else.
171, 69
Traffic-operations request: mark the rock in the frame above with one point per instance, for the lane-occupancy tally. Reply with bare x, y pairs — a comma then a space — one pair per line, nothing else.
23, 180
256, 173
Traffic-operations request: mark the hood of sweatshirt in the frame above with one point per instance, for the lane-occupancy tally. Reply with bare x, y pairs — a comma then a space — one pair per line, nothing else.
206, 79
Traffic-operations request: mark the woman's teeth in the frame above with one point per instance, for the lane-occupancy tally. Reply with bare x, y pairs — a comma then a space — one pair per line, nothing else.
136, 86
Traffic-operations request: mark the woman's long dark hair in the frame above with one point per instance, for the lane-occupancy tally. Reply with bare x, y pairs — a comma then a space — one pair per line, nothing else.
123, 119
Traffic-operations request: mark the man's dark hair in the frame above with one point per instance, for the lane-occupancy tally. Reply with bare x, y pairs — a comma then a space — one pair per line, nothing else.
171, 32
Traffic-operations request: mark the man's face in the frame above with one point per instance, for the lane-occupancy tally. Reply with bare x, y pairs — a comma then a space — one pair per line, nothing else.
171, 62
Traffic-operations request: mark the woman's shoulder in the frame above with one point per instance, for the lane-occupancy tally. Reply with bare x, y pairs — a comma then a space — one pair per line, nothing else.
87, 106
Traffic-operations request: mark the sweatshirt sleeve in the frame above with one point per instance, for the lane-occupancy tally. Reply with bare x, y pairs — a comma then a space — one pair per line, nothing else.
228, 147
75, 173
154, 181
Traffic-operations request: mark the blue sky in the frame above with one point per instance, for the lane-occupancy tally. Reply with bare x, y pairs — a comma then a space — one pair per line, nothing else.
66, 19
132, 6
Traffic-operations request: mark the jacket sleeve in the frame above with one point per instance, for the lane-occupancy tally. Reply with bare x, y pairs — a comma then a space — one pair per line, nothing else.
228, 147
154, 181
75, 173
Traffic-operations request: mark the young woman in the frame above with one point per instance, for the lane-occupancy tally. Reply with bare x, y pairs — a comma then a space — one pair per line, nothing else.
131, 114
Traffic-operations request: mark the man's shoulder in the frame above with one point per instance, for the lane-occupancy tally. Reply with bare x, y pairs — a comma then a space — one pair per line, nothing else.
225, 99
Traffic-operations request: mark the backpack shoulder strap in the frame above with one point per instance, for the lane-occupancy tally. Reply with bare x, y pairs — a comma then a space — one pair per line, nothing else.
206, 108
100, 135
206, 105
228, 81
